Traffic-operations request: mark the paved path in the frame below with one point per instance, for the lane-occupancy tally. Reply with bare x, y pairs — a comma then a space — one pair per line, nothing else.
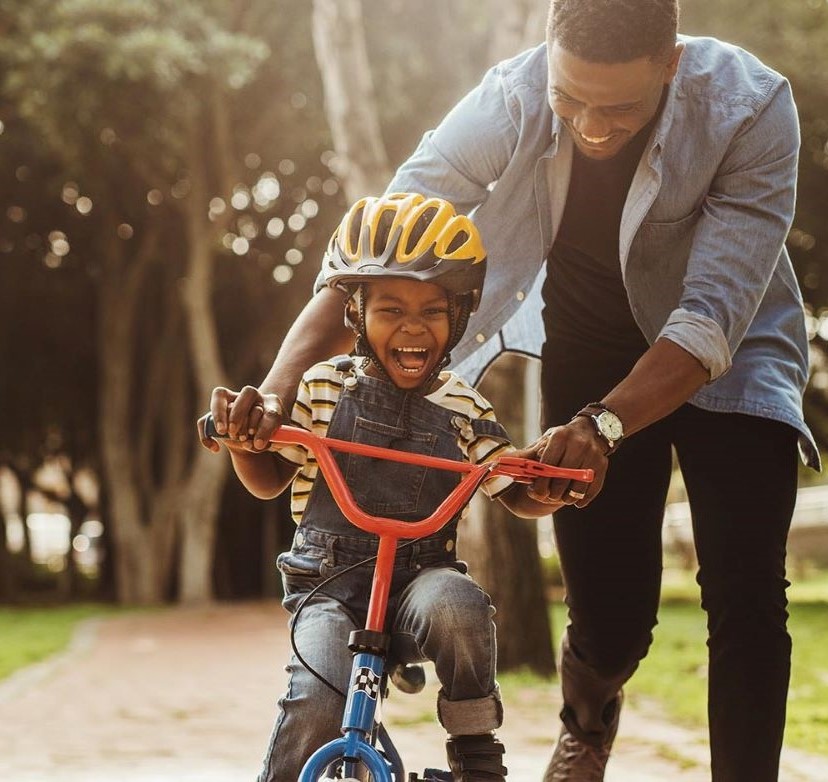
188, 695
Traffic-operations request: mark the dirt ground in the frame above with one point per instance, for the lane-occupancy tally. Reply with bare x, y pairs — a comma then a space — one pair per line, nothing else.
188, 695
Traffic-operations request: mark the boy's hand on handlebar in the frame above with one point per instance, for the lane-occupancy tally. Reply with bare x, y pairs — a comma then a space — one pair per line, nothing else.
248, 418
572, 445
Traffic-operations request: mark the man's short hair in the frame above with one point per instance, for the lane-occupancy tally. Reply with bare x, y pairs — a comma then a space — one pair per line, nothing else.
613, 31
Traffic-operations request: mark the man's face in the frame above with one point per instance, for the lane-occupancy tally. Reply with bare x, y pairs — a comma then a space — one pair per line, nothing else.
605, 105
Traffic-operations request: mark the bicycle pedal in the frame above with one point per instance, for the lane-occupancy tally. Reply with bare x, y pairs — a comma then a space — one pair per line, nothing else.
432, 775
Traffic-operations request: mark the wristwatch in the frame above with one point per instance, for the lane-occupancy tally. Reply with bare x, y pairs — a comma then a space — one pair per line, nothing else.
607, 424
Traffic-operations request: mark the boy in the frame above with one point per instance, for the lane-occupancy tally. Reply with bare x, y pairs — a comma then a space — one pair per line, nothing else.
412, 272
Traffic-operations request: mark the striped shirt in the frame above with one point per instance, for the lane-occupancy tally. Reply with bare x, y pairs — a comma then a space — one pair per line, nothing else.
318, 394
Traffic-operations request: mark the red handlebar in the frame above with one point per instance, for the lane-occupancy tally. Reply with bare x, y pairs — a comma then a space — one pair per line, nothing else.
521, 470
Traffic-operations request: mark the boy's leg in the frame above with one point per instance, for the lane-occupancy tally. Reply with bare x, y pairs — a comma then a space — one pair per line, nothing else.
310, 714
741, 474
446, 617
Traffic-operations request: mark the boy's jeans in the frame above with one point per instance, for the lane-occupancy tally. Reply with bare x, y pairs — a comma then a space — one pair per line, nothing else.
442, 614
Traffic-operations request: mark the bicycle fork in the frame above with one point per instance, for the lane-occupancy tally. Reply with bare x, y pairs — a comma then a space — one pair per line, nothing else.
358, 720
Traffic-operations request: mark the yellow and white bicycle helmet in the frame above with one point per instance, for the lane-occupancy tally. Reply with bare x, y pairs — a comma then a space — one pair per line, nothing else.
410, 236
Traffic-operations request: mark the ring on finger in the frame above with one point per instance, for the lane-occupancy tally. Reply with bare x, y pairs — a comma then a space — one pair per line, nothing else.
576, 495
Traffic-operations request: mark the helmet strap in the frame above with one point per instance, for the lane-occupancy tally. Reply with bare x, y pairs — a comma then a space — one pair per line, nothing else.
361, 345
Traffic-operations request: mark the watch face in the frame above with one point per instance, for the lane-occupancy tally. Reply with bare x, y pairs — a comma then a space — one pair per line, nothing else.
610, 426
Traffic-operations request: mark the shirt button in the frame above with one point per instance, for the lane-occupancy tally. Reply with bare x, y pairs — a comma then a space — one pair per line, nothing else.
418, 566
520, 295
300, 538
481, 338
449, 545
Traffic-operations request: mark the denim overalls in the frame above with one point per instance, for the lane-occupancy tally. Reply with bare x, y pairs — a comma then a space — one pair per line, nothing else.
436, 611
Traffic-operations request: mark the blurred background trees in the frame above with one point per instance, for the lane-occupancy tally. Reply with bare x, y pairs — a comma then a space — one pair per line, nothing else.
169, 175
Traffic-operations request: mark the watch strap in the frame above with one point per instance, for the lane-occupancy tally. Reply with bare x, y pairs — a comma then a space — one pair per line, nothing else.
591, 411
591, 407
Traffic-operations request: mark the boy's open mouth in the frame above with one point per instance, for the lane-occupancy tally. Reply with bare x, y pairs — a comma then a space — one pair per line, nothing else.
411, 360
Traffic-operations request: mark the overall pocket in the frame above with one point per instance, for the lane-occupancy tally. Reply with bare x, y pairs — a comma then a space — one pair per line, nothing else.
301, 569
384, 488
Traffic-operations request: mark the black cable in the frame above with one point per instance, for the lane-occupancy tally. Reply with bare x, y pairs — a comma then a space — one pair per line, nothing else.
310, 594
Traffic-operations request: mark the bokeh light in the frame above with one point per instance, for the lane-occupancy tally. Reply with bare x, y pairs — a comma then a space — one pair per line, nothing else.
275, 227
240, 199
70, 193
283, 274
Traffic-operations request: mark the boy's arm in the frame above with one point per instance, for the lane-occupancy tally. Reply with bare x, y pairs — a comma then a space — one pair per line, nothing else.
264, 475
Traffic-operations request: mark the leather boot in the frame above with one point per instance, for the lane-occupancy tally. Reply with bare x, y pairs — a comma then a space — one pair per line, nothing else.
476, 758
577, 761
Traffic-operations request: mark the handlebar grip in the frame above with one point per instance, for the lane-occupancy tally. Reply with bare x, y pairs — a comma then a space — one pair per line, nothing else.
210, 428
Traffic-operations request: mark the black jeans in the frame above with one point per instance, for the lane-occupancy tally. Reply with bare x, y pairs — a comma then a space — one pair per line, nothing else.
740, 472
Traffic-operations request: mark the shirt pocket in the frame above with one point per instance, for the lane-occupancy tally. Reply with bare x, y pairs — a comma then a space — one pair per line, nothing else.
381, 487
659, 244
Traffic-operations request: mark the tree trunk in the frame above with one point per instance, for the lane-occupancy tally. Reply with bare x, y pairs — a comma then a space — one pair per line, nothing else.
201, 496
7, 580
350, 100
142, 539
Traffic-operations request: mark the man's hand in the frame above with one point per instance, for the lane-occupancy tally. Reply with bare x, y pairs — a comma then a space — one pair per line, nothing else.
574, 445
247, 417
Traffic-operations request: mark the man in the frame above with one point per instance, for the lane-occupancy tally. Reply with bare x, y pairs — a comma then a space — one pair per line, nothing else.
634, 189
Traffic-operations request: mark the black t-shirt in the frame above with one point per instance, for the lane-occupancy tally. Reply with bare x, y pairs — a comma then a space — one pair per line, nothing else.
585, 303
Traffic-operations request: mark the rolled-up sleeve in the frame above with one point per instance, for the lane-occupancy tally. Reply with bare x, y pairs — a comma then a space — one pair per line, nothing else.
700, 336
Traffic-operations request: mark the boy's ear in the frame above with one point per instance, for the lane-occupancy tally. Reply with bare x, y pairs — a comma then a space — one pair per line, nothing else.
351, 313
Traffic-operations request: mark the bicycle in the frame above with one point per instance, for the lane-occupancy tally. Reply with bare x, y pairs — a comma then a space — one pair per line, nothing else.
361, 728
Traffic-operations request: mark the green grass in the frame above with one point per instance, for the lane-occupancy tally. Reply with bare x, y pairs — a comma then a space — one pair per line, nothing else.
675, 670
30, 635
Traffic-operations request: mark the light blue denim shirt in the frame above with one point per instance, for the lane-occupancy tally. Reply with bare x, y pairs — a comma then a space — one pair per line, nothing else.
702, 233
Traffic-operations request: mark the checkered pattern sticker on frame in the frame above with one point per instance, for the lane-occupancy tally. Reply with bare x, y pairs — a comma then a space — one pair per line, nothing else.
368, 682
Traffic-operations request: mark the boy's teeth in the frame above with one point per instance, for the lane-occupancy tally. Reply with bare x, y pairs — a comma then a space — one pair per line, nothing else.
411, 359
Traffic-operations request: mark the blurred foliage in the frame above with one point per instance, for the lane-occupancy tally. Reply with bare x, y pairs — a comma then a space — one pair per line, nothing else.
792, 37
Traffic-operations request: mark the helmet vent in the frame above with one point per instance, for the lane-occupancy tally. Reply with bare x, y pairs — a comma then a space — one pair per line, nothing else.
460, 238
354, 227
418, 229
384, 223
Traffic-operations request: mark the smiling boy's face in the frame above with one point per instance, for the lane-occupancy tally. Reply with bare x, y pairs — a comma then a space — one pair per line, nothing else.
407, 325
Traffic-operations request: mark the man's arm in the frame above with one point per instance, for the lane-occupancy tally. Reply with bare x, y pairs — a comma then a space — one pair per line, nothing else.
319, 332
662, 380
